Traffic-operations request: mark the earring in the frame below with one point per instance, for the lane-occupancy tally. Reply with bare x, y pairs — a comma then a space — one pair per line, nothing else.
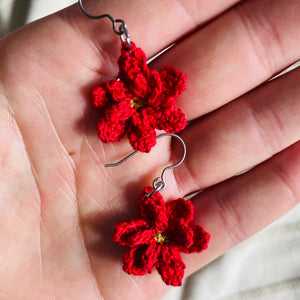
161, 232
140, 100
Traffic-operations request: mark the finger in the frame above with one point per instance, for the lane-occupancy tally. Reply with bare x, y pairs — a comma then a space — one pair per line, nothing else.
152, 24
235, 210
242, 134
238, 51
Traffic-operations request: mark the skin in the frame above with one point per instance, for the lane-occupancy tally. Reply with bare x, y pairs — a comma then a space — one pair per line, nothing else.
59, 203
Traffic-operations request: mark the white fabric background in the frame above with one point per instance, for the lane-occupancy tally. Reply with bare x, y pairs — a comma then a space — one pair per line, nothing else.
265, 267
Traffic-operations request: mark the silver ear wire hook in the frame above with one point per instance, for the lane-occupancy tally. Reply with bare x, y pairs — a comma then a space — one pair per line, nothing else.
122, 31
158, 183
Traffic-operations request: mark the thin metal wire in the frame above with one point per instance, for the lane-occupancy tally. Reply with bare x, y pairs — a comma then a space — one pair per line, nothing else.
159, 182
122, 30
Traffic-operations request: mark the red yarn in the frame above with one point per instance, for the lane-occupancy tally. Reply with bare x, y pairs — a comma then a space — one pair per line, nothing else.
159, 236
140, 101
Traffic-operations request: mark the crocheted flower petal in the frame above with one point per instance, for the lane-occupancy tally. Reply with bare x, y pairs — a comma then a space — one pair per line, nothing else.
153, 209
180, 236
171, 120
180, 210
133, 233
111, 127
140, 260
200, 240
154, 89
100, 96
173, 81
170, 266
118, 91
133, 70
141, 133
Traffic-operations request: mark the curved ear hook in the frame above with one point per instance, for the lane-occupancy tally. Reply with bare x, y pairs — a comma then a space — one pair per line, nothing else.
158, 183
122, 28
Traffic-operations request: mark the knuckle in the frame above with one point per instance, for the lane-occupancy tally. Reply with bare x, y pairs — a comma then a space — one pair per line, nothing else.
263, 34
269, 126
284, 179
231, 220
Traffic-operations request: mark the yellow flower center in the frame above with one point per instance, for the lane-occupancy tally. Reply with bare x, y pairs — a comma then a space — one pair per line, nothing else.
161, 238
137, 103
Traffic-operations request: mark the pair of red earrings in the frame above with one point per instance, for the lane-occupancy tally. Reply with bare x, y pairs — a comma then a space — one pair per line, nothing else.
138, 102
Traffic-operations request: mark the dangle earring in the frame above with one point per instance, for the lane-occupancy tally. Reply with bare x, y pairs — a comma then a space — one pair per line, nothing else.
140, 100
162, 231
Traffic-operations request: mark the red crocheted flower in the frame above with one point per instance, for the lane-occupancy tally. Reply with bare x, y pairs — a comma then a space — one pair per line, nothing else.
158, 237
139, 102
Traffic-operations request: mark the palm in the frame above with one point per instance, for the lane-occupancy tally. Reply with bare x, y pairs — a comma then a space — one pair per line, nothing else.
71, 202
60, 203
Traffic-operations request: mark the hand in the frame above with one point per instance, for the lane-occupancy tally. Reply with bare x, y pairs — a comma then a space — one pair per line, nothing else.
59, 203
